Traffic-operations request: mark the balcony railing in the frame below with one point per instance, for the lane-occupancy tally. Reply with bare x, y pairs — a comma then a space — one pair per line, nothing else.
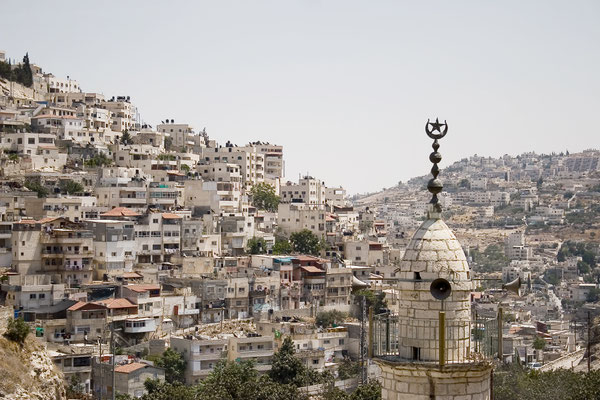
435, 341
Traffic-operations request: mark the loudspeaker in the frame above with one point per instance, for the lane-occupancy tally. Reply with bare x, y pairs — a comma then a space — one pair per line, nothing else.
440, 289
513, 286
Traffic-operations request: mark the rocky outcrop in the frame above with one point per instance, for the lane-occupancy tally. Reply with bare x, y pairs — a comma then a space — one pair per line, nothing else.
27, 372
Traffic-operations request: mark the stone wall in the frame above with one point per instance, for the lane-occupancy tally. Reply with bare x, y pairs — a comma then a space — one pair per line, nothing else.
417, 381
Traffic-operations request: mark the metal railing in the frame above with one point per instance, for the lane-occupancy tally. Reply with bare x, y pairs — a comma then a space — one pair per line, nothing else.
436, 341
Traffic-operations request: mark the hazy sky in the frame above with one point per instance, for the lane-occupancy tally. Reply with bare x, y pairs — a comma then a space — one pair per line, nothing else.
345, 86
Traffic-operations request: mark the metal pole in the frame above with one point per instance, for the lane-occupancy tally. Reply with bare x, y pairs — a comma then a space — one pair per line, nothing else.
442, 338
362, 340
100, 394
112, 345
500, 349
589, 347
370, 353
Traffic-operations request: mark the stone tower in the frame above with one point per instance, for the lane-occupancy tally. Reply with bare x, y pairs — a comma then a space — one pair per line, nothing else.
429, 353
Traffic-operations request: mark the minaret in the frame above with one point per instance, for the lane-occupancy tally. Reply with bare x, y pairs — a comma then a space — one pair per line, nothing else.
431, 356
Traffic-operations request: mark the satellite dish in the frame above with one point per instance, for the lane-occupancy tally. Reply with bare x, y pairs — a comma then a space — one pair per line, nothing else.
440, 289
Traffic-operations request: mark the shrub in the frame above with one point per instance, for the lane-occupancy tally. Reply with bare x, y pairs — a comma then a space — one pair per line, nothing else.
17, 330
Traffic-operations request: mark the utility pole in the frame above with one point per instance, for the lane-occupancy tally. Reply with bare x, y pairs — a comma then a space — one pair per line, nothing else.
112, 345
363, 344
100, 340
589, 340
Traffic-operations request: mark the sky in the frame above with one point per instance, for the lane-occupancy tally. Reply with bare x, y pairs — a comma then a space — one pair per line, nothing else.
345, 86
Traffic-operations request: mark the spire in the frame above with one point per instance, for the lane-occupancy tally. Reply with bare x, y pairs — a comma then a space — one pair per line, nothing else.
434, 185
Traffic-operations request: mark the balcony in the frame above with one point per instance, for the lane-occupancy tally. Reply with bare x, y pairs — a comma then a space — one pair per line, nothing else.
207, 356
255, 353
140, 325
76, 238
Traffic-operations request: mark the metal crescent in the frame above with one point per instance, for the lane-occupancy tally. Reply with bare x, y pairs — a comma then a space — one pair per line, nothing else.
436, 135
445, 129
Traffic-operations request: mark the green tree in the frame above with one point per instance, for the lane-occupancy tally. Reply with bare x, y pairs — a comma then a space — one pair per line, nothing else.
593, 295
348, 369
369, 391
264, 197
305, 242
99, 160
27, 74
374, 299
126, 138
257, 246
282, 246
16, 330
326, 319
539, 343
75, 387
185, 168
71, 187
365, 226
241, 381
38, 188
174, 366
513, 382
168, 143
286, 367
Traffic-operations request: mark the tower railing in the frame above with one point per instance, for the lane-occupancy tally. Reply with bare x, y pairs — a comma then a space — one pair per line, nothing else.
440, 341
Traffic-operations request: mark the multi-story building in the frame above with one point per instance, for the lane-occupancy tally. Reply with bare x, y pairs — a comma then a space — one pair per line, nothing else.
129, 378
294, 217
123, 114
273, 156
309, 190
338, 282
53, 246
30, 292
250, 161
202, 356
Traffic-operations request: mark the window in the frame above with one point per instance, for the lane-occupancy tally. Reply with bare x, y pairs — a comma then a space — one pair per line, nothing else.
315, 362
32, 296
42, 296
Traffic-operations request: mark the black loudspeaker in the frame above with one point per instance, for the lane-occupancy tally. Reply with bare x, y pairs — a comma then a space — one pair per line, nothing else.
440, 289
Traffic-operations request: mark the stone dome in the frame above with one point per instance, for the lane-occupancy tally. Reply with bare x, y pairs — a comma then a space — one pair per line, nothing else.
433, 252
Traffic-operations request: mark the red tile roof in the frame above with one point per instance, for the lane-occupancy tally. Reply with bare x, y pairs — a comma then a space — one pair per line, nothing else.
131, 275
127, 368
120, 212
116, 303
171, 216
82, 304
142, 288
312, 269
77, 306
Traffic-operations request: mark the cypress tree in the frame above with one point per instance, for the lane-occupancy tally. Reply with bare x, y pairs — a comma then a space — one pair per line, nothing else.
26, 73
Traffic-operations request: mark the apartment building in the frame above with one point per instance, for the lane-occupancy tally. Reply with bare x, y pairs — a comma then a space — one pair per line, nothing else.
309, 191
202, 356
30, 292
54, 246
338, 283
294, 217
123, 114
273, 160
250, 161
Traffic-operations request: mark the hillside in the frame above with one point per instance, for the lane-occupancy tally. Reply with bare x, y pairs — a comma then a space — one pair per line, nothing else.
28, 372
